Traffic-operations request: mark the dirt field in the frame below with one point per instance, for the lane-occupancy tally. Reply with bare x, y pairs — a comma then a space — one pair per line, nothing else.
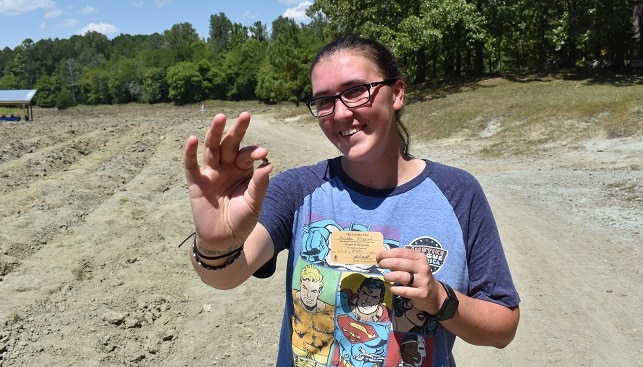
93, 204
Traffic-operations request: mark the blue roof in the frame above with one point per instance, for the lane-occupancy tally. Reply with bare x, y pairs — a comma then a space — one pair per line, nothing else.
17, 96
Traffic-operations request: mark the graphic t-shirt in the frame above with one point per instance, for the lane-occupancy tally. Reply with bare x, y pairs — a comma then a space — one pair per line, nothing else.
340, 314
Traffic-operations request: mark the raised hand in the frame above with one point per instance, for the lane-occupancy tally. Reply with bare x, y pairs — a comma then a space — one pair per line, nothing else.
226, 192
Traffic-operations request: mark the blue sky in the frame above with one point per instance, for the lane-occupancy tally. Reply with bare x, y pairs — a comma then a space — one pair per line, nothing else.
42, 19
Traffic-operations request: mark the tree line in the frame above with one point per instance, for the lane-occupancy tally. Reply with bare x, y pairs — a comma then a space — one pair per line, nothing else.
432, 38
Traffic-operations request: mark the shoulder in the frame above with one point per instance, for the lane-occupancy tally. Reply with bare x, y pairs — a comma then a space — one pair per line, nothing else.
443, 172
452, 179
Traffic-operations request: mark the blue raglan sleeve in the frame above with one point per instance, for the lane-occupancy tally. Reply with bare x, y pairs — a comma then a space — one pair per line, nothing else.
489, 275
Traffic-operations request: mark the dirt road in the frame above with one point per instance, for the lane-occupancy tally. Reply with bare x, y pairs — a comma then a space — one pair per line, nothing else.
93, 204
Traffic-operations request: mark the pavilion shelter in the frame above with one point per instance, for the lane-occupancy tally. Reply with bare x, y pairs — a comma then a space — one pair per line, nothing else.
21, 98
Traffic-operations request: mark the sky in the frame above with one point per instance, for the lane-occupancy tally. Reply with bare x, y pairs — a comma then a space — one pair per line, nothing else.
42, 19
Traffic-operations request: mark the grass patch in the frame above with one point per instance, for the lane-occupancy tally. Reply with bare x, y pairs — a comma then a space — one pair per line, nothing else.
526, 111
628, 191
7, 267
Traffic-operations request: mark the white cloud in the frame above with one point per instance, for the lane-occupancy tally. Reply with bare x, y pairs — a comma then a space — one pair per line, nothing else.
250, 15
162, 3
88, 10
298, 13
53, 13
17, 7
138, 3
104, 28
69, 23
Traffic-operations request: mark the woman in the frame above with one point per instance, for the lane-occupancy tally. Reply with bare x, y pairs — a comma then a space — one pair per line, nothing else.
435, 237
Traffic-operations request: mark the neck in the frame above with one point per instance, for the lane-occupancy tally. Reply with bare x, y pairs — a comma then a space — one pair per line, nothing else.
385, 173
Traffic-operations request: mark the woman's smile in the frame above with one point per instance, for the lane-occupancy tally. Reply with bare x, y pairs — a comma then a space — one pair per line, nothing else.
351, 131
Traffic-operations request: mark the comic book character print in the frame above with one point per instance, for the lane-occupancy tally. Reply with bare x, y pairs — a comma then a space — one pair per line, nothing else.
316, 245
409, 319
409, 350
362, 323
312, 318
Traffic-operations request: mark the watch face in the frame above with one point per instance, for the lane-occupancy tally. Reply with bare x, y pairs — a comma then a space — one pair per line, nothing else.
450, 305
449, 308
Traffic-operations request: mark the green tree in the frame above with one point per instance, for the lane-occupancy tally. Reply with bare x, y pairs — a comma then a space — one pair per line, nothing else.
126, 81
284, 75
155, 87
180, 39
240, 66
94, 86
9, 81
259, 32
185, 83
417, 30
26, 65
90, 49
48, 54
64, 99
48, 88
220, 33
72, 72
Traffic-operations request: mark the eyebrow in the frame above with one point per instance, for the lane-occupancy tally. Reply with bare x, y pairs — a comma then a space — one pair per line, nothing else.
346, 85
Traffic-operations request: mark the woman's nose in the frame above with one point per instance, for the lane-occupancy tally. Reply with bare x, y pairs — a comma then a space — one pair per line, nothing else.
341, 109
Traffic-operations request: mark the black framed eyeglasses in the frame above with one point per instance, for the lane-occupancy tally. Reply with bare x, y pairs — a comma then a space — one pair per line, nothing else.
352, 97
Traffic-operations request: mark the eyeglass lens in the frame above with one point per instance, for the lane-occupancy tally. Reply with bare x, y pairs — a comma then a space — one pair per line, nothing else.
352, 97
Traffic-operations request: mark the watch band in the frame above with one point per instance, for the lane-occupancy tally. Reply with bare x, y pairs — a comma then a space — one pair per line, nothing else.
449, 306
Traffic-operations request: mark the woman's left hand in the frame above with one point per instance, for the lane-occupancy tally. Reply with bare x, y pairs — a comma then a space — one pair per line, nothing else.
411, 275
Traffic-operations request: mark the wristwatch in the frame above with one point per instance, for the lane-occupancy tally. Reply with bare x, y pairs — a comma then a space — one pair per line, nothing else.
449, 306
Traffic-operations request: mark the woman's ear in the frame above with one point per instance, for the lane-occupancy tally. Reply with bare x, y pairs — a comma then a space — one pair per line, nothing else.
398, 92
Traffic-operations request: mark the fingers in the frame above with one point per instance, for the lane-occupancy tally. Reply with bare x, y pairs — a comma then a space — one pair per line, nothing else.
232, 139
407, 267
190, 161
223, 149
212, 142
247, 156
396, 258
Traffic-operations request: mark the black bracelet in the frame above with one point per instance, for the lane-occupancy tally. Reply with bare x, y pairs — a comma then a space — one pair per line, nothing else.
187, 238
199, 254
197, 258
195, 249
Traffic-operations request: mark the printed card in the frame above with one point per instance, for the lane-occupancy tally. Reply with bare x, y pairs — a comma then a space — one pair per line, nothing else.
355, 247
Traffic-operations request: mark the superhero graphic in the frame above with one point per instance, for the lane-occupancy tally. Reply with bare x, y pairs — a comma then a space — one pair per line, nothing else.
409, 319
342, 313
362, 322
409, 350
312, 318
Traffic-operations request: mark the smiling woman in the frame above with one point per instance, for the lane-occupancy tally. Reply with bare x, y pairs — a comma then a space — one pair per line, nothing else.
444, 263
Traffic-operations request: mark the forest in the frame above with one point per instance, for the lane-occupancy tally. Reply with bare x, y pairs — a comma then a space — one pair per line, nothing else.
434, 39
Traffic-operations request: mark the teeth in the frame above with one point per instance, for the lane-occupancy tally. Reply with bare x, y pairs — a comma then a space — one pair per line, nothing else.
350, 131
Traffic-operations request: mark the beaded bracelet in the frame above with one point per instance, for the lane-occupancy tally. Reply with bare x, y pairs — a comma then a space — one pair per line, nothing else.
198, 256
